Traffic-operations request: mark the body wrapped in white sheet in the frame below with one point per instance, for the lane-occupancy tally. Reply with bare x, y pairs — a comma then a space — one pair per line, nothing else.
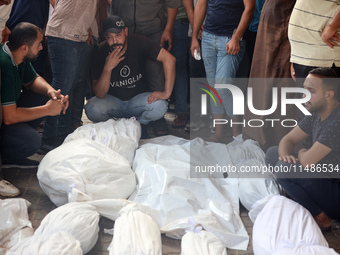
87, 166
162, 167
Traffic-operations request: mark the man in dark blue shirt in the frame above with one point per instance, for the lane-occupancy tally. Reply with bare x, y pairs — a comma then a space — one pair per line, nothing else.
223, 50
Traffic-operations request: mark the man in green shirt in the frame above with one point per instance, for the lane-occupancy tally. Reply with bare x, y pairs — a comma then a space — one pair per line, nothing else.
19, 100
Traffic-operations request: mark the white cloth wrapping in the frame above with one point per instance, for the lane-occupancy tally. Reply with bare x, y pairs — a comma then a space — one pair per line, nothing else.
285, 225
78, 219
162, 167
306, 250
202, 243
113, 208
86, 166
135, 233
14, 222
121, 135
255, 182
59, 243
252, 190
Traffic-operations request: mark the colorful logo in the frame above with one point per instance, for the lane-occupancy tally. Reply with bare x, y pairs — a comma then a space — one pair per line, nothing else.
209, 93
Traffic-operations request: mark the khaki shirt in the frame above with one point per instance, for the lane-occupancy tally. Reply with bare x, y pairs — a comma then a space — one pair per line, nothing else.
71, 19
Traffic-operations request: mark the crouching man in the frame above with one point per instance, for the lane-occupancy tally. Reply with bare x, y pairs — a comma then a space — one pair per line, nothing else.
23, 98
320, 194
119, 77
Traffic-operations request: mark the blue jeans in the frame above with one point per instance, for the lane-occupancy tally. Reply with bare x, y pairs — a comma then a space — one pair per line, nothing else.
221, 68
180, 51
109, 107
316, 195
66, 56
21, 140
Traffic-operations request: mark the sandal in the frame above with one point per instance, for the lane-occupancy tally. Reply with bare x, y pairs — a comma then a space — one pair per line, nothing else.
159, 127
180, 121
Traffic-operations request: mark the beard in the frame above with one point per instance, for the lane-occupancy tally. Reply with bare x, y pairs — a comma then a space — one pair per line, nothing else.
30, 57
113, 46
314, 107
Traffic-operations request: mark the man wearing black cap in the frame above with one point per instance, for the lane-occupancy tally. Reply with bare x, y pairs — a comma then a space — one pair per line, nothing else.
119, 77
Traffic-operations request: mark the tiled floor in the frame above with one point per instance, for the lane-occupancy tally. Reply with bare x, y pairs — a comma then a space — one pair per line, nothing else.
27, 182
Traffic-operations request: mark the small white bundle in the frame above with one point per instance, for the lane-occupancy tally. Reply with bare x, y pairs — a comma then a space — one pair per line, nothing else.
60, 243
78, 219
135, 233
202, 243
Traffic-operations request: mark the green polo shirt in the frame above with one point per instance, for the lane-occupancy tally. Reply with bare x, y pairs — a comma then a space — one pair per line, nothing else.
13, 77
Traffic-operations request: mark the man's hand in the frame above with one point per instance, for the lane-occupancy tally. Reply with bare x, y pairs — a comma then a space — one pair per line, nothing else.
114, 58
54, 107
89, 39
199, 36
292, 71
233, 46
195, 46
330, 36
167, 37
157, 95
5, 34
288, 158
56, 95
65, 103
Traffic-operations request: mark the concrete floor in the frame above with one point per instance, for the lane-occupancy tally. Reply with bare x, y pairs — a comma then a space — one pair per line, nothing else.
27, 182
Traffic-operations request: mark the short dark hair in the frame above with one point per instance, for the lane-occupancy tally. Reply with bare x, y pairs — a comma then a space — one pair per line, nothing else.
329, 78
23, 33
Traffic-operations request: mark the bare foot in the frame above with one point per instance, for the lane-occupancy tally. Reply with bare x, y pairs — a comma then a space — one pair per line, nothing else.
323, 221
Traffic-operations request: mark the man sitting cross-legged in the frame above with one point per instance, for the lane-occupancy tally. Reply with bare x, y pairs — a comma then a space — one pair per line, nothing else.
320, 194
119, 74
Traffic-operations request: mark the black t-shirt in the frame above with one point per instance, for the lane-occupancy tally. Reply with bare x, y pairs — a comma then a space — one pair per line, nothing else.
128, 77
326, 132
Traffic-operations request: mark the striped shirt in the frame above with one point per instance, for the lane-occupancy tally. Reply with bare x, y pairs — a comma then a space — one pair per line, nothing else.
307, 21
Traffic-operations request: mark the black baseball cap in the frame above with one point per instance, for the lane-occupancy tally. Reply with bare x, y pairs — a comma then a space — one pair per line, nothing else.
113, 24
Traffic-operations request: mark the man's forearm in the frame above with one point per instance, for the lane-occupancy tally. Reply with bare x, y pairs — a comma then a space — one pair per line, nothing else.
101, 87
170, 74
25, 115
40, 86
335, 22
189, 8
171, 13
286, 147
246, 17
199, 14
